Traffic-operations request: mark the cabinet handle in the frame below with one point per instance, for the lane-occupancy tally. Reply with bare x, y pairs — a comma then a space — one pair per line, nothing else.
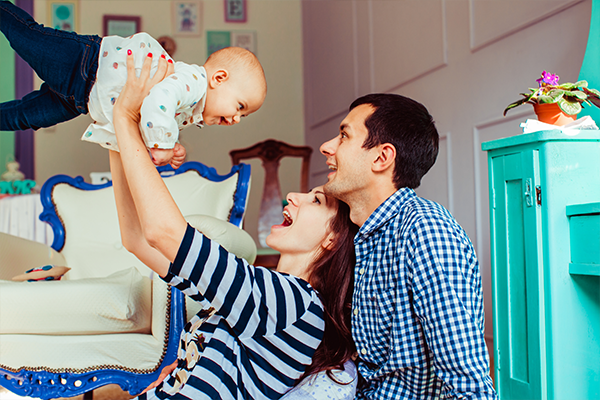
528, 197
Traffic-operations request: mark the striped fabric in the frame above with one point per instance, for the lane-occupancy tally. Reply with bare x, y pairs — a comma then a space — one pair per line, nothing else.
256, 334
417, 317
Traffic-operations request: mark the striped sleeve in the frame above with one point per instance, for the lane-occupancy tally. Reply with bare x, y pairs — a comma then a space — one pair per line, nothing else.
254, 301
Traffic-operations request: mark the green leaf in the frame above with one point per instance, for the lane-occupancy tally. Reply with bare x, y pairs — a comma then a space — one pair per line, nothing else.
577, 94
556, 94
546, 99
513, 105
581, 84
569, 108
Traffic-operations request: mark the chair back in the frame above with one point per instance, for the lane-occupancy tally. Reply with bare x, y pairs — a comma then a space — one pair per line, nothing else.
270, 152
93, 249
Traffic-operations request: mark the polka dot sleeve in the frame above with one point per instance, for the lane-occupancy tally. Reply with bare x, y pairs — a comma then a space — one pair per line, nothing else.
175, 94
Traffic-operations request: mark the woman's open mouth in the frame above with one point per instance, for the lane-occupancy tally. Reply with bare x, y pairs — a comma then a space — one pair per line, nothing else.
287, 218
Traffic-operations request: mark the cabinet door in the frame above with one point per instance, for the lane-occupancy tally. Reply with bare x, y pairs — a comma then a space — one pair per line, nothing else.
516, 267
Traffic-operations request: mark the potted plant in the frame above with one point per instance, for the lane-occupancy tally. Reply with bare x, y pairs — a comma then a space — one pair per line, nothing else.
556, 103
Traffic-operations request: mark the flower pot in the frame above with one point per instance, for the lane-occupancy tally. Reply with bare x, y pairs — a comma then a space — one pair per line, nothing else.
550, 113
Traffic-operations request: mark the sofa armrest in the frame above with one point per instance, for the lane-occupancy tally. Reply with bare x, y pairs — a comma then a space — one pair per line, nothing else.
18, 255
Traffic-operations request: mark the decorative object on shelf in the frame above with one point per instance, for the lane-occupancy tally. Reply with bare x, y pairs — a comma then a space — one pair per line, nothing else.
216, 40
235, 11
13, 181
63, 14
168, 44
12, 171
556, 103
187, 18
121, 25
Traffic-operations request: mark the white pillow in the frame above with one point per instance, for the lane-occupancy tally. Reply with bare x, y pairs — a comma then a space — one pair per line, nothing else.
232, 238
118, 303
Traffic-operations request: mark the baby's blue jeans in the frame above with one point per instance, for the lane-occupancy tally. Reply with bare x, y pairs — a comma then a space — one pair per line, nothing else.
65, 61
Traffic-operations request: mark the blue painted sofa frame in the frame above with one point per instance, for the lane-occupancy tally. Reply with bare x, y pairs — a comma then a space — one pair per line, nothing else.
47, 384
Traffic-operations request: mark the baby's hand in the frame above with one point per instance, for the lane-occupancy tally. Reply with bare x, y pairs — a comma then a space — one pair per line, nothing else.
161, 157
179, 154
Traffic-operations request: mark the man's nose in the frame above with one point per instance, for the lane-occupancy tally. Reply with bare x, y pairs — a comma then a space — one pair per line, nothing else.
327, 148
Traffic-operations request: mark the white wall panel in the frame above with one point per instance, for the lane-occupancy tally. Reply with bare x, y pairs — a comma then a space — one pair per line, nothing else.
329, 62
493, 20
401, 30
436, 185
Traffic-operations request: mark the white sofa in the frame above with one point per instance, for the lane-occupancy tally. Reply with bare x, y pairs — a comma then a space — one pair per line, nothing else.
109, 320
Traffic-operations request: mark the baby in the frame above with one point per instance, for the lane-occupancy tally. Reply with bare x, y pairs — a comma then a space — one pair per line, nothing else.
84, 73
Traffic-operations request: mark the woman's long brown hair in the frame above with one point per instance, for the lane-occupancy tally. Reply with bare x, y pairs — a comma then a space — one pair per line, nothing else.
332, 276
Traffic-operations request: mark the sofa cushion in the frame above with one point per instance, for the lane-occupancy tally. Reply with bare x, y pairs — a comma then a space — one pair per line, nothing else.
118, 303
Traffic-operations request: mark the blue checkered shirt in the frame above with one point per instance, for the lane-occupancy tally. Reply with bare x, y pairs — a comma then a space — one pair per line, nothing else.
417, 317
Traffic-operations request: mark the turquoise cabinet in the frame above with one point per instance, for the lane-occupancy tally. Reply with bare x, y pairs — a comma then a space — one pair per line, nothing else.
545, 258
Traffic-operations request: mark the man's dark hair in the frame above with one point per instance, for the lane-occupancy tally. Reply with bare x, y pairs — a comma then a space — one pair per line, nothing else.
408, 126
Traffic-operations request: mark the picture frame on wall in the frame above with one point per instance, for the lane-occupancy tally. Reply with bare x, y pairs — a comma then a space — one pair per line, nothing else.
235, 11
63, 14
121, 25
187, 18
244, 39
216, 40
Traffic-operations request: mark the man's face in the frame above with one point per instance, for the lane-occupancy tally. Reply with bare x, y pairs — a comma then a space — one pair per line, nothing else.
349, 162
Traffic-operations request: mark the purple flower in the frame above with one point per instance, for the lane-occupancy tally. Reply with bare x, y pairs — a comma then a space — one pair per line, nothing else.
547, 79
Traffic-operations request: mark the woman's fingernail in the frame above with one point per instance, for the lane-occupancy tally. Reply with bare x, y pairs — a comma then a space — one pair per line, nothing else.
149, 54
162, 56
128, 52
171, 61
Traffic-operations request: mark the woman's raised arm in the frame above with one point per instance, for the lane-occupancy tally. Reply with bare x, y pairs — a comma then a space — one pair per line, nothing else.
159, 219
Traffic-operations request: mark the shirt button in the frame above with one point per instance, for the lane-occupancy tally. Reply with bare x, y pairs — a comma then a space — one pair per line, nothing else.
356, 311
363, 351
361, 271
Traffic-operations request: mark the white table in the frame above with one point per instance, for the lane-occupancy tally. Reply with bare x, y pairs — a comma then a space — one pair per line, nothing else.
19, 216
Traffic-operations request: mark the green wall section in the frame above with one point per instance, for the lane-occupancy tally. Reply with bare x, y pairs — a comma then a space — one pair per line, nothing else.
7, 92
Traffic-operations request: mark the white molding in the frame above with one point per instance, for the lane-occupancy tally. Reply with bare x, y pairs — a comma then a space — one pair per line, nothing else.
449, 175
476, 47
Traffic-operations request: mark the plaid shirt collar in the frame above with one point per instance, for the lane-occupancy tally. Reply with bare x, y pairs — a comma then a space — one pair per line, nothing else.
382, 214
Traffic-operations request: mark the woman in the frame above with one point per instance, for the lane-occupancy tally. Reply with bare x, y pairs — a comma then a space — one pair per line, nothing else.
260, 332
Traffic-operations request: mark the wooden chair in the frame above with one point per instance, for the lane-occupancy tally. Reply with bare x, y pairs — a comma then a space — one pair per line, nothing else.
270, 152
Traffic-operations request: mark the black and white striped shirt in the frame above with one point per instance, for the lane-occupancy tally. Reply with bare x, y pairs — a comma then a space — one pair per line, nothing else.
256, 334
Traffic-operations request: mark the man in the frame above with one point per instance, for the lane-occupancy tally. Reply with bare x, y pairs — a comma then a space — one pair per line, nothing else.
417, 309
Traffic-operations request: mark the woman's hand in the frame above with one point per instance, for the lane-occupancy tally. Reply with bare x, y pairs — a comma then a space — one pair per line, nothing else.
166, 371
136, 89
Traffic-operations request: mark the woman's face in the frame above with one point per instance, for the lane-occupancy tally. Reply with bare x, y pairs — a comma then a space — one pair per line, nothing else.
305, 224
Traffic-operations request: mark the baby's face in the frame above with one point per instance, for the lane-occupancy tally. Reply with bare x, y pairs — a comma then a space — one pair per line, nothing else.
233, 99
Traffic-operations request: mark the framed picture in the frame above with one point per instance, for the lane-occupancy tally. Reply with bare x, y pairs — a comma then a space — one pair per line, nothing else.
235, 10
121, 25
187, 18
216, 40
63, 14
244, 39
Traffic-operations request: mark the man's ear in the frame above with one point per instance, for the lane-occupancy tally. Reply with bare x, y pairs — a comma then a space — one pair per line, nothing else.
385, 157
218, 78
328, 242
